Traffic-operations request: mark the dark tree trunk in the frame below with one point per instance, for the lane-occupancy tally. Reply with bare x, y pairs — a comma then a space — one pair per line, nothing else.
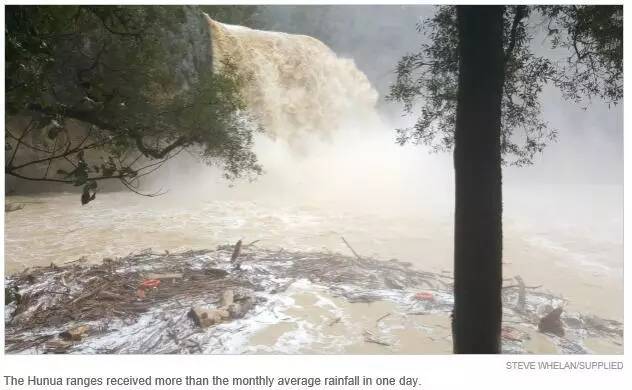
477, 312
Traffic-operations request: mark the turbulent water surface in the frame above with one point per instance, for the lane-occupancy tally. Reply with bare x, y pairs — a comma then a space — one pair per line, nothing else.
581, 262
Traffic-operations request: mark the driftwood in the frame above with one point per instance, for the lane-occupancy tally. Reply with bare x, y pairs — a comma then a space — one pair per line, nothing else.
101, 294
522, 294
252, 244
74, 334
111, 296
382, 317
335, 321
57, 346
212, 290
370, 337
228, 298
205, 317
230, 309
351, 248
236, 252
240, 308
89, 294
82, 259
9, 207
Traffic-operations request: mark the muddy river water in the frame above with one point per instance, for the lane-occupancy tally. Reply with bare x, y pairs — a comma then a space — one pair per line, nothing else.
579, 260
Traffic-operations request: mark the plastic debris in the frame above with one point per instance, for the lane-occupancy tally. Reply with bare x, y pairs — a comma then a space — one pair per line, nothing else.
150, 283
424, 296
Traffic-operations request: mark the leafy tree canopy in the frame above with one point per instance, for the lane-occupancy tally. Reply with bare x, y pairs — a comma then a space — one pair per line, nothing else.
427, 80
138, 77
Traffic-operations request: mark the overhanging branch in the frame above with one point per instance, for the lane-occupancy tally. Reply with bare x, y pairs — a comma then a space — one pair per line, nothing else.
90, 117
521, 13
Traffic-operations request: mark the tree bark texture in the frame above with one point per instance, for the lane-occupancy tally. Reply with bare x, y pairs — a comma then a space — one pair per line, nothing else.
477, 312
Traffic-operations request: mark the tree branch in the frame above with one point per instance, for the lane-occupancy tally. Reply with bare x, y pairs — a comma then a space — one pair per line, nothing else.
130, 187
17, 146
25, 143
111, 30
66, 153
48, 179
158, 153
89, 117
51, 160
521, 13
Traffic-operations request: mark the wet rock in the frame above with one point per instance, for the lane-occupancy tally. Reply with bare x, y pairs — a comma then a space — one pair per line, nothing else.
551, 323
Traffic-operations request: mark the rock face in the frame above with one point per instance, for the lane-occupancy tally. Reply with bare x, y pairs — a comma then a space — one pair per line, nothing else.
192, 47
187, 56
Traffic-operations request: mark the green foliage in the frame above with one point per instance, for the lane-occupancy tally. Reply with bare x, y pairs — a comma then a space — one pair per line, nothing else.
594, 37
139, 76
429, 78
431, 75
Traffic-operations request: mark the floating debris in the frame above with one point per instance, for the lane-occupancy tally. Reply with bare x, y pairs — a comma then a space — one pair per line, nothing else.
199, 302
552, 323
10, 207
75, 334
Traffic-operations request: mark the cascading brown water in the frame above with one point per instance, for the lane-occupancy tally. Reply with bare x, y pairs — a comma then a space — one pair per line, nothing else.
293, 83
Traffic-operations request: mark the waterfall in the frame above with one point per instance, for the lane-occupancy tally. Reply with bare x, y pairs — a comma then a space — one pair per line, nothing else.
294, 84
